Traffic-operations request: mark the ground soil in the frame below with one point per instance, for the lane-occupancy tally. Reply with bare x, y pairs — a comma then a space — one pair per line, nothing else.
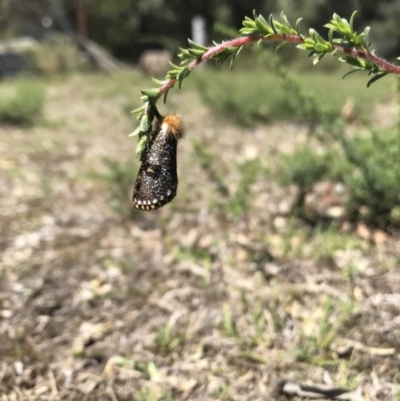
98, 302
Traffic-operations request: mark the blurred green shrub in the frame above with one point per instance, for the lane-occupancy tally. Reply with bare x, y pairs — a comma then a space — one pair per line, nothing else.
245, 98
56, 56
21, 101
259, 96
374, 181
302, 168
263, 89
367, 164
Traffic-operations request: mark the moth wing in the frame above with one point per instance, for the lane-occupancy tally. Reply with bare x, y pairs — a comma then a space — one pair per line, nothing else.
157, 179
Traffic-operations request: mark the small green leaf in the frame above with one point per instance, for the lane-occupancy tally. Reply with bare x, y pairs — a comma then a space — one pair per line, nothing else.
158, 82
302, 47
151, 93
375, 78
279, 27
264, 22
138, 110
309, 41
316, 36
183, 51
249, 24
344, 27
356, 62
298, 25
165, 96
262, 28
280, 46
330, 26
285, 21
285, 30
330, 35
176, 67
306, 46
351, 72
239, 49
172, 74
145, 124
365, 39
185, 55
318, 59
136, 132
195, 52
223, 57
352, 20
185, 72
196, 45
323, 47
345, 23
187, 60
141, 146
246, 31
272, 24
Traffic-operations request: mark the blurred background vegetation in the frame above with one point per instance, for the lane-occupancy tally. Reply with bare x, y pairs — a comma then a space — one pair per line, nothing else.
278, 258
48, 40
127, 27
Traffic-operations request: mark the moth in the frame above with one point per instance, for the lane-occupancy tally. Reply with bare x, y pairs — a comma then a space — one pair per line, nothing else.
157, 179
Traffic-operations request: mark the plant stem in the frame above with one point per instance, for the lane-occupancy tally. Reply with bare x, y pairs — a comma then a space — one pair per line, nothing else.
298, 39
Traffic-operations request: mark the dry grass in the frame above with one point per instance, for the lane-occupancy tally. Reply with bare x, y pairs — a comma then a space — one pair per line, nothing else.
188, 302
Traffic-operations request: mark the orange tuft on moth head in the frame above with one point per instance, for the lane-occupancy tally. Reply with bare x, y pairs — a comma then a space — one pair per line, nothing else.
172, 124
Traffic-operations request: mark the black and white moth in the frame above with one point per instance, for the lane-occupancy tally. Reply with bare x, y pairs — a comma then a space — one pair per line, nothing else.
157, 179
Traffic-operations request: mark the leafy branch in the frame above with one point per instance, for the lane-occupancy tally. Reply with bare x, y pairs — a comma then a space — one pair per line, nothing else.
343, 41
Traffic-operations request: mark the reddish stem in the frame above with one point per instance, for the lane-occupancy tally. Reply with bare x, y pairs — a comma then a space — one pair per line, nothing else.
385, 65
